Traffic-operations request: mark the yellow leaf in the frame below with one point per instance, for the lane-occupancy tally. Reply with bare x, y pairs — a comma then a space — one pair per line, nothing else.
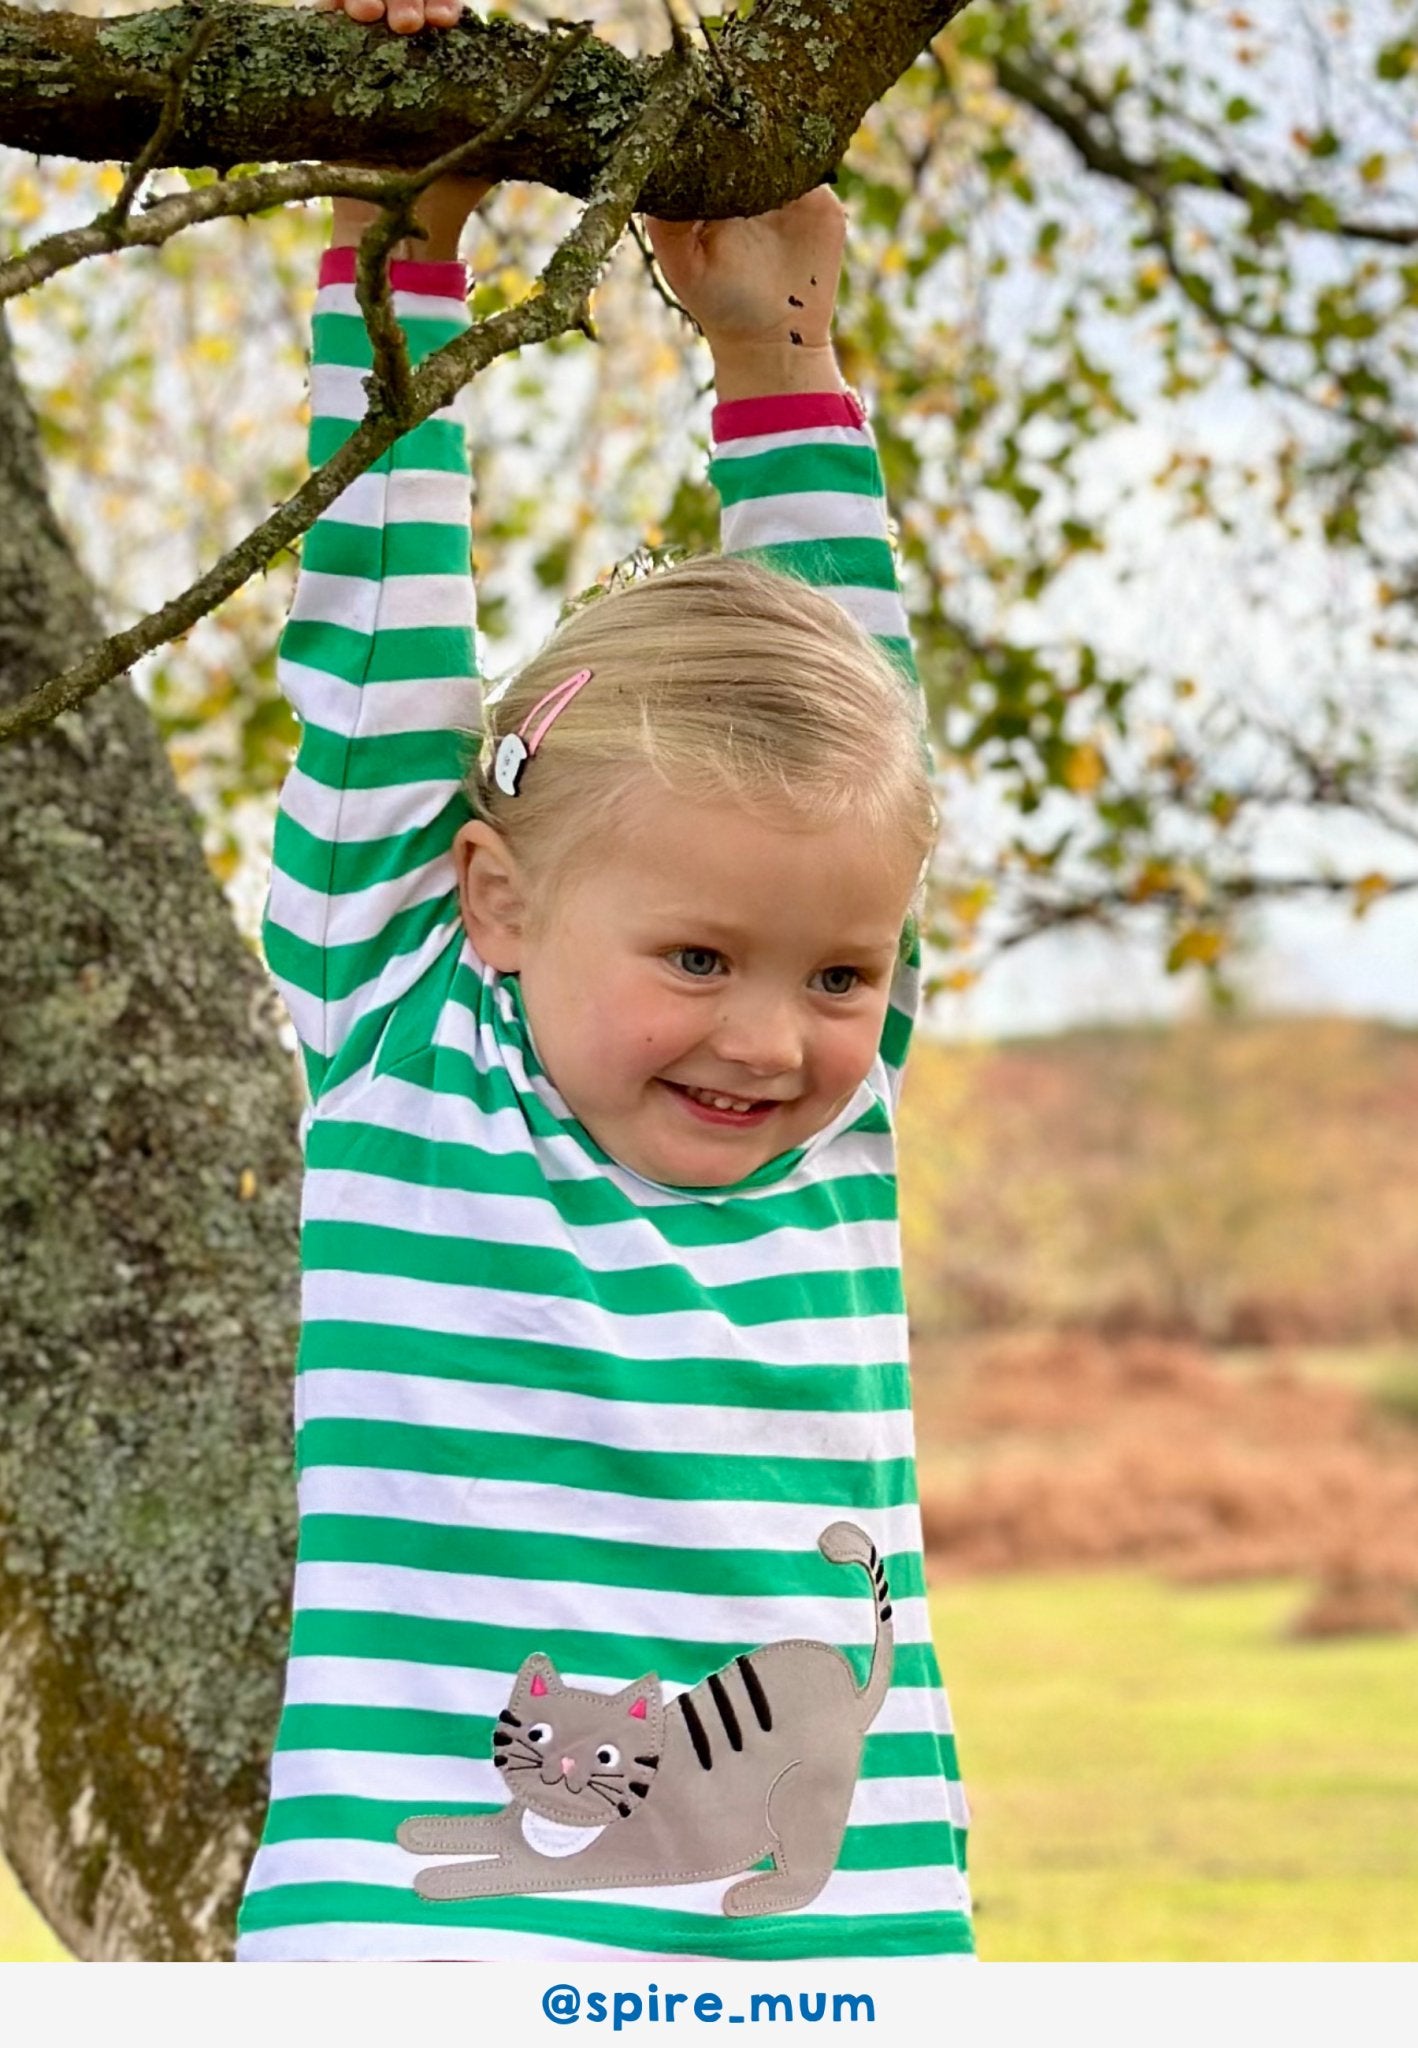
1367, 891
246, 1186
110, 180
1083, 768
1202, 946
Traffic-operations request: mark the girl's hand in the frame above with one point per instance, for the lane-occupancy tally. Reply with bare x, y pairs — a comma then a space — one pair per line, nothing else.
441, 210
405, 17
763, 290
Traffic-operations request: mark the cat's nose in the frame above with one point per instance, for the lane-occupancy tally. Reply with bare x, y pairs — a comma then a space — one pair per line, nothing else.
568, 1765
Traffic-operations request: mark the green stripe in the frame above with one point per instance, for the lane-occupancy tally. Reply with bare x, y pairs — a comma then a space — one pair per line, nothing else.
890, 1845
780, 472
433, 444
438, 1162
551, 1273
337, 971
773, 1938
412, 547
392, 654
895, 1037
647, 1475
345, 867
899, 651
343, 338
605, 1375
384, 761
409, 1731
593, 1560
863, 563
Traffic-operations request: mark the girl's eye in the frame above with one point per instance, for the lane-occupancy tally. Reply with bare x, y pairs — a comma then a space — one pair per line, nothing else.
844, 978
539, 1733
608, 1755
697, 961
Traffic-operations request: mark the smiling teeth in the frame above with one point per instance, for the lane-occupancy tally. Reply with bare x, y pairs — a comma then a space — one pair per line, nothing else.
720, 1101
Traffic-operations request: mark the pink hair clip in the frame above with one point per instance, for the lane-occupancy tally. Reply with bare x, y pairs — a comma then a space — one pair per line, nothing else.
515, 749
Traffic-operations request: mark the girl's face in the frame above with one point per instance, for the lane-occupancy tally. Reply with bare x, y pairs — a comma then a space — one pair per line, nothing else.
703, 952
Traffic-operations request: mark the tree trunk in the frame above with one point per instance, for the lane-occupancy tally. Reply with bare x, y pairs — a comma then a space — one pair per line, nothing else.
148, 1208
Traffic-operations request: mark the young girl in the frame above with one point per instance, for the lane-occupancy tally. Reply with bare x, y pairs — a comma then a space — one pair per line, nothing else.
610, 1633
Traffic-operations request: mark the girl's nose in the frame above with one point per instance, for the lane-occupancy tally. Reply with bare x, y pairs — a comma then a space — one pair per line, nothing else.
761, 1037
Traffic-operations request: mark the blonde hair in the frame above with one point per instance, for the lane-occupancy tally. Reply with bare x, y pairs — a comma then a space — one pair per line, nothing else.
725, 681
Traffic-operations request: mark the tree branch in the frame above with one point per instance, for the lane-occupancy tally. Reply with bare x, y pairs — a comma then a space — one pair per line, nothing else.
1087, 124
557, 302
276, 84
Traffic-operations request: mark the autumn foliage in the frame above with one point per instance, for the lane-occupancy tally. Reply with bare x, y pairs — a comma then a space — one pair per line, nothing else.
1241, 1183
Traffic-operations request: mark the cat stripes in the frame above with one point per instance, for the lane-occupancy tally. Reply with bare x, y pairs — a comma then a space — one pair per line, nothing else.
541, 1403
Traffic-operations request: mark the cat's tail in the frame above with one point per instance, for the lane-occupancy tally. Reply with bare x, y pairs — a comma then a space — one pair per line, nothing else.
845, 1543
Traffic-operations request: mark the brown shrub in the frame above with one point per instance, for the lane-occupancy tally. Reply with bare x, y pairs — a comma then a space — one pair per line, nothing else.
1085, 1452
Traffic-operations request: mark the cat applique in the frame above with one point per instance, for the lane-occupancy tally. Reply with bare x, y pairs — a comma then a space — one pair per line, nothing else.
606, 1789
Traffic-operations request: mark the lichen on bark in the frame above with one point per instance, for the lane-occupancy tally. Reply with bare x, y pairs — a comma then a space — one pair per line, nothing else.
148, 1185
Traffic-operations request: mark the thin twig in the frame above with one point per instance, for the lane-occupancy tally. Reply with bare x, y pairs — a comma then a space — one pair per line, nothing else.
167, 124
557, 303
656, 276
712, 46
392, 375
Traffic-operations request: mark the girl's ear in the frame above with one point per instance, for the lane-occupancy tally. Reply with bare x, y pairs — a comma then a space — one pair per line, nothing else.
492, 896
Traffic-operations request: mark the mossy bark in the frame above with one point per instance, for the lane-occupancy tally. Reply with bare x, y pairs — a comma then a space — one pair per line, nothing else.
148, 1209
283, 85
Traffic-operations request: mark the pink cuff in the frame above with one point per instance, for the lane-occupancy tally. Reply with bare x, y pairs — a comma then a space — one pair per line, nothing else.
739, 418
429, 280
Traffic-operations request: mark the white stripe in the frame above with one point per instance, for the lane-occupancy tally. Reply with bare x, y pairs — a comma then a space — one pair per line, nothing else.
337, 393
436, 1115
332, 1295
807, 516
441, 1500
336, 1196
398, 975
336, 1394
344, 920
435, 497
386, 813
366, 604
408, 305
437, 704
539, 1605
846, 1893
747, 445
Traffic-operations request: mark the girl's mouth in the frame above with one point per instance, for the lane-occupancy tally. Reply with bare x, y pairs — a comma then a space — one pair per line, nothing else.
709, 1107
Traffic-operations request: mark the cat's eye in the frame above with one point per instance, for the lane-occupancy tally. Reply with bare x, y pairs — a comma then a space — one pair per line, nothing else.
608, 1755
539, 1732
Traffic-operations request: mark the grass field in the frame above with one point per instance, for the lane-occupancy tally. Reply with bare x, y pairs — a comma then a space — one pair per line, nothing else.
1160, 1775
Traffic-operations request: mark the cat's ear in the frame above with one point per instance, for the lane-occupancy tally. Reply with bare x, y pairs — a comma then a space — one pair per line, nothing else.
538, 1678
641, 1699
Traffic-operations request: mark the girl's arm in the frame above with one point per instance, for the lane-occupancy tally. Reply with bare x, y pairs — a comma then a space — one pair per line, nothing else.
793, 461
378, 659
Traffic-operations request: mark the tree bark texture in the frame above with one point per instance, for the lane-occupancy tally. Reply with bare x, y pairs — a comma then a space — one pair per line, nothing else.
284, 85
148, 1213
